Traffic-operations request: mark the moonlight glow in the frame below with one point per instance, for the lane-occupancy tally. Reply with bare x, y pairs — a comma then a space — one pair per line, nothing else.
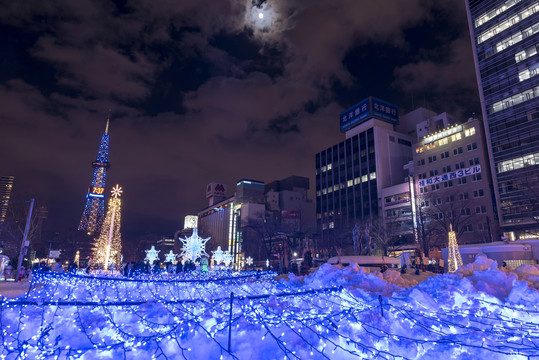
262, 19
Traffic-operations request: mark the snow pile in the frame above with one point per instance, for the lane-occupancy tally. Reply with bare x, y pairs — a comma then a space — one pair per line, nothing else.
335, 313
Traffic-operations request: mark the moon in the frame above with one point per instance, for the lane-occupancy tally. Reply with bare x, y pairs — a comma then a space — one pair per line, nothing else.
260, 15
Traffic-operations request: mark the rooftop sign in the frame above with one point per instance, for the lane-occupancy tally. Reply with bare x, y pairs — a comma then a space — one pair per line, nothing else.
371, 107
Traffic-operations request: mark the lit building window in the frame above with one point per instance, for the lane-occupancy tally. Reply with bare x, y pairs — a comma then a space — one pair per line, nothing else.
518, 163
372, 175
495, 12
350, 183
469, 132
331, 225
524, 54
364, 178
456, 137
529, 72
515, 38
329, 167
514, 100
504, 25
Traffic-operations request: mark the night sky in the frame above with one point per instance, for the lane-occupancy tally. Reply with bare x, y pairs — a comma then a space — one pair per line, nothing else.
204, 91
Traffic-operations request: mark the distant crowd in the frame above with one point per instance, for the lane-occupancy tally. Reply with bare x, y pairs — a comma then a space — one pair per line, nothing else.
127, 269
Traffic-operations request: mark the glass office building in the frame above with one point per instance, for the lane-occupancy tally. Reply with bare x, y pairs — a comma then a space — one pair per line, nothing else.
504, 39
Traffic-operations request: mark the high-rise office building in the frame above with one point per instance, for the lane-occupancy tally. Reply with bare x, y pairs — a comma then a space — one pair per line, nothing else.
505, 38
6, 187
351, 174
453, 185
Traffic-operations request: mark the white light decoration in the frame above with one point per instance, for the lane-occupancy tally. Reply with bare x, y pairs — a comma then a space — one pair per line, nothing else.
249, 261
218, 255
193, 247
108, 246
227, 258
152, 255
190, 314
453, 257
170, 257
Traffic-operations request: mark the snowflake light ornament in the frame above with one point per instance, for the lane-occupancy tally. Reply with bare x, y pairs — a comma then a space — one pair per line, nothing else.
249, 261
151, 255
227, 258
218, 255
170, 257
193, 247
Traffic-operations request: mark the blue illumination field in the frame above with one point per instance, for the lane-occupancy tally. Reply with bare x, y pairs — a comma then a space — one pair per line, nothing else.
479, 312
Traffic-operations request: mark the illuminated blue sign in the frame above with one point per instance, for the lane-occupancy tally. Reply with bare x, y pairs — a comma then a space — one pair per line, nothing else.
384, 110
370, 107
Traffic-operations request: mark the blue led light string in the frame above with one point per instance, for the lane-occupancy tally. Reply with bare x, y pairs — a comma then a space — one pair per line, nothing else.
486, 320
317, 312
466, 333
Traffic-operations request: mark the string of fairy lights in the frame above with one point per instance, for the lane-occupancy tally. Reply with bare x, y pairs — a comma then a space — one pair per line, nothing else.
70, 316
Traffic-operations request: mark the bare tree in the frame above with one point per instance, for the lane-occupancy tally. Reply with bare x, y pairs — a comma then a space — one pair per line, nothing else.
380, 235
12, 229
437, 211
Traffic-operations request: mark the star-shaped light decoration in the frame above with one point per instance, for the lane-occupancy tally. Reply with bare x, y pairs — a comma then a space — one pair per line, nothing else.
227, 258
218, 255
193, 247
170, 257
249, 261
117, 191
151, 255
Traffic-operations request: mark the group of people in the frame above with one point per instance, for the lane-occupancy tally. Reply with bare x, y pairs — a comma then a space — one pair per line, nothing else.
128, 269
138, 268
10, 272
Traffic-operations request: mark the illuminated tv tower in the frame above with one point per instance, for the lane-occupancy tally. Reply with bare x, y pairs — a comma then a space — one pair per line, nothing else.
92, 217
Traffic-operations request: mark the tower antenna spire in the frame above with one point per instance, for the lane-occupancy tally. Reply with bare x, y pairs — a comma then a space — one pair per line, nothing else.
108, 121
92, 217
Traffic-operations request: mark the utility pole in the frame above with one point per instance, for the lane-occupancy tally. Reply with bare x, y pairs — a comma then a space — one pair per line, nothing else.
24, 243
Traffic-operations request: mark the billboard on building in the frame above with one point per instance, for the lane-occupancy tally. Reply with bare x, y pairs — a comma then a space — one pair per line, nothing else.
371, 107
290, 219
190, 222
450, 176
215, 189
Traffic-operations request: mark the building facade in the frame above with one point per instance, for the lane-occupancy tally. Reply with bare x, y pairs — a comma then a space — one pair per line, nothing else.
453, 185
290, 221
398, 213
505, 38
232, 223
217, 222
6, 188
351, 174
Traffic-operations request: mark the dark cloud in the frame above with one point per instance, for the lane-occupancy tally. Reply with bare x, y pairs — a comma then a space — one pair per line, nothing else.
205, 91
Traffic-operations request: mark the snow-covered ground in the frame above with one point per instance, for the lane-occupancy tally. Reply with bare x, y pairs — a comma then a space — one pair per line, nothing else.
479, 312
